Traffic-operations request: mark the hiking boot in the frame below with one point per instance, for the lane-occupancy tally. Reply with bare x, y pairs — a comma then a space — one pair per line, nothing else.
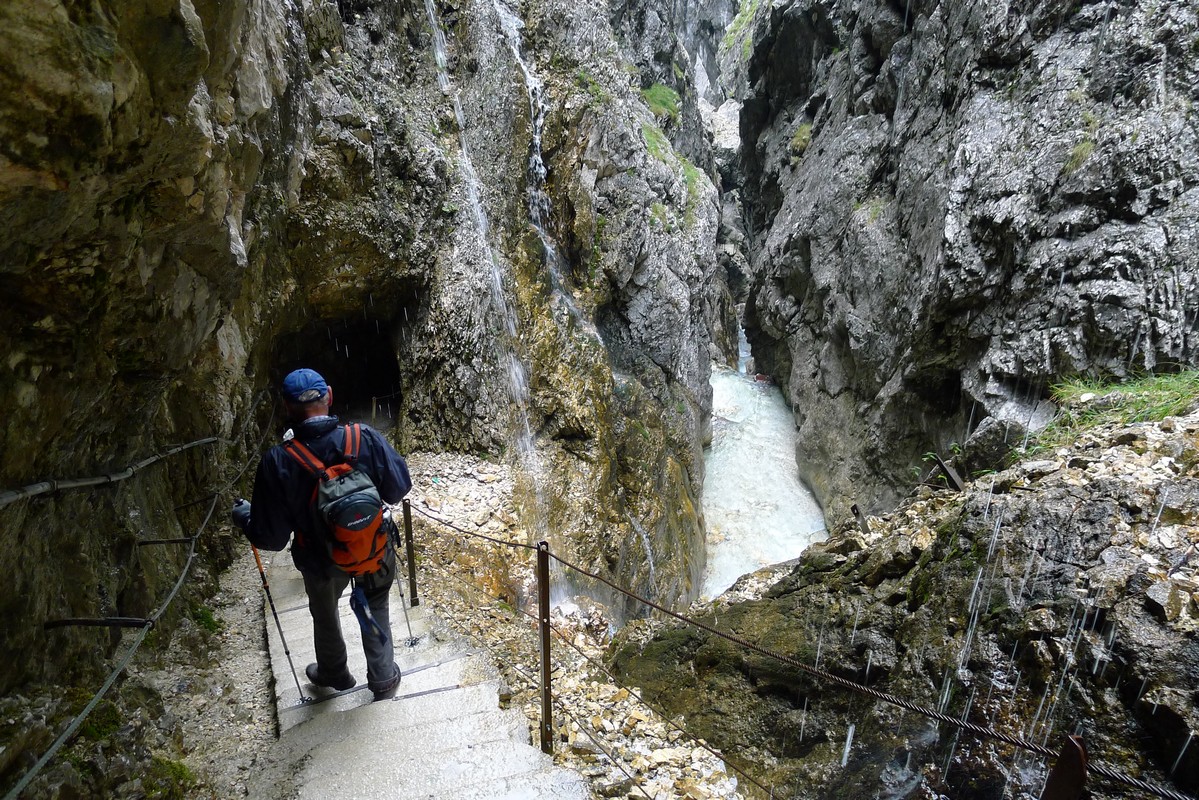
387, 688
339, 682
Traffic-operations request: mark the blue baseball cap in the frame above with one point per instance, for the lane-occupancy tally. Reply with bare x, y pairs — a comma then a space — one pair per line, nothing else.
304, 386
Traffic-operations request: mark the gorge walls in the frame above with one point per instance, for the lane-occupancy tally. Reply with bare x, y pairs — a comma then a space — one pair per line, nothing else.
952, 206
200, 196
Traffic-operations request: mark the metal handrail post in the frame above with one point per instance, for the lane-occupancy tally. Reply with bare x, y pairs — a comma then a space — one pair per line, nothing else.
1069, 775
411, 551
543, 615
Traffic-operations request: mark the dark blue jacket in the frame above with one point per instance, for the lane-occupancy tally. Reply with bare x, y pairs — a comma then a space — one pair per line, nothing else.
283, 488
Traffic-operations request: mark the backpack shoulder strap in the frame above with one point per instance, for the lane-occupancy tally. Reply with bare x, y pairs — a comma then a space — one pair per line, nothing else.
302, 454
353, 443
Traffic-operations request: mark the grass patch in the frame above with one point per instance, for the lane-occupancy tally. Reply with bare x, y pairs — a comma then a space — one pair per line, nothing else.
1089, 403
1079, 155
659, 215
745, 15
655, 141
662, 101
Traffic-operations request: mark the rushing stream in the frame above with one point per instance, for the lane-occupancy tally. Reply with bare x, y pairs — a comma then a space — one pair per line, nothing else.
757, 510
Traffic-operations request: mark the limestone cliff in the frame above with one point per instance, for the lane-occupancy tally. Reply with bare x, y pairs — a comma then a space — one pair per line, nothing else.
953, 205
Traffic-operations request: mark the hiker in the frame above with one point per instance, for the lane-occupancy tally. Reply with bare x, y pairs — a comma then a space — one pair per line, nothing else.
283, 502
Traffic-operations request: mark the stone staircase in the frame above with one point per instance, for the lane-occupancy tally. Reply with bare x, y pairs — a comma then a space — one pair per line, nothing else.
443, 735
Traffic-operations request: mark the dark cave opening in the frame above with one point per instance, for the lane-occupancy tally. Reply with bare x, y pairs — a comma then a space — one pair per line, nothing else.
358, 360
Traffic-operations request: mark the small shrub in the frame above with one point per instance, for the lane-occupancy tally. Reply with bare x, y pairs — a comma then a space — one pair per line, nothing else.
592, 86
801, 139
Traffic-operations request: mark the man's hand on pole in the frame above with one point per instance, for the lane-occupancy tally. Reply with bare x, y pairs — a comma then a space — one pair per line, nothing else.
241, 513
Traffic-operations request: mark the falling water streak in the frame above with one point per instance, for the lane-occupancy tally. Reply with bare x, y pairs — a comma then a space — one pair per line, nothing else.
539, 204
1182, 752
1160, 509
990, 494
853, 634
819, 644
1141, 691
869, 660
946, 691
994, 537
518, 385
848, 742
1132, 354
649, 551
803, 718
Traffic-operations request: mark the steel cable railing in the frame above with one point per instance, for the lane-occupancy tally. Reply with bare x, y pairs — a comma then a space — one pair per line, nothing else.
980, 731
44, 487
153, 619
531, 680
592, 662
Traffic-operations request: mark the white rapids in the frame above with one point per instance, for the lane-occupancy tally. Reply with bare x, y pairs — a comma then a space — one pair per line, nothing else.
757, 509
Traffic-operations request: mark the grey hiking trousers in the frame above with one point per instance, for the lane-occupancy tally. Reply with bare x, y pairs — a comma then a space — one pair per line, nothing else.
324, 591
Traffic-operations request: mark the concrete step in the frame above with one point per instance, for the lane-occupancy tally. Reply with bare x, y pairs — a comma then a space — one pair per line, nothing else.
422, 672
344, 769
442, 736
550, 783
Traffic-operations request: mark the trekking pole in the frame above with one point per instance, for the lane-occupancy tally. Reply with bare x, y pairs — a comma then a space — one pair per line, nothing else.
411, 641
267, 587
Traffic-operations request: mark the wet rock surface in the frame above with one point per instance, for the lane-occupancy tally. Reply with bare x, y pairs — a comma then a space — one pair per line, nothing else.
955, 205
1050, 598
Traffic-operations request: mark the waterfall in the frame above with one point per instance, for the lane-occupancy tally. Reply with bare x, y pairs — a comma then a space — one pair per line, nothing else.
518, 387
539, 204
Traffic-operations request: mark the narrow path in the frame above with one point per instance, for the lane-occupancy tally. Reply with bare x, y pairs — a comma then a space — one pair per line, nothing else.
444, 734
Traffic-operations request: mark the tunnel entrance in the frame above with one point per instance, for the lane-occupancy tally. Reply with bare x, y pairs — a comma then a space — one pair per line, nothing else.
358, 360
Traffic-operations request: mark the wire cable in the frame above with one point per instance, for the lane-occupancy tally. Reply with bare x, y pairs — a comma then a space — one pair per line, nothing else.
970, 727
43, 487
451, 526
65, 736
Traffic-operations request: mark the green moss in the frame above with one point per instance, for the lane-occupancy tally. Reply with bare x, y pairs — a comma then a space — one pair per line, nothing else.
168, 780
101, 723
203, 616
655, 141
662, 101
801, 139
679, 73
592, 87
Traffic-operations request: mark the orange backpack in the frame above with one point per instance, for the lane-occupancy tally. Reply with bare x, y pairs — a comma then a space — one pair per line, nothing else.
347, 506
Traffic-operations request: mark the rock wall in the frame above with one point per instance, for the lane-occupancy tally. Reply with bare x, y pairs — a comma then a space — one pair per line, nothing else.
953, 205
199, 196
1060, 596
